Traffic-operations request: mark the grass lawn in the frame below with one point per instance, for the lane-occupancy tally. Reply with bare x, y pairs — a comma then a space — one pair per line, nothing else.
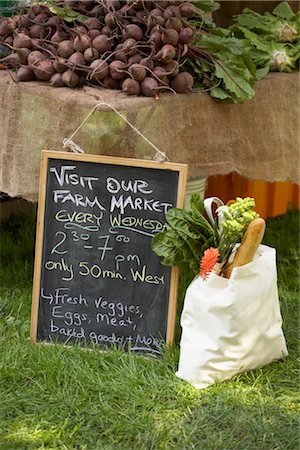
52, 397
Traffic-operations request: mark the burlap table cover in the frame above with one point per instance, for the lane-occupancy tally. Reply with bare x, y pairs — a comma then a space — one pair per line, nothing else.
258, 139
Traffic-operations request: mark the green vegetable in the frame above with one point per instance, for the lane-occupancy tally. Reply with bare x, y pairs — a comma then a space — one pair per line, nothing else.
190, 233
273, 38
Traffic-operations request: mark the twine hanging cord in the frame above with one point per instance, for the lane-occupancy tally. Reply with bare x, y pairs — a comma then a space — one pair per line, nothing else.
68, 144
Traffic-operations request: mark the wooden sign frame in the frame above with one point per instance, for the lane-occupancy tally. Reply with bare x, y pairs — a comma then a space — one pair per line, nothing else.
181, 169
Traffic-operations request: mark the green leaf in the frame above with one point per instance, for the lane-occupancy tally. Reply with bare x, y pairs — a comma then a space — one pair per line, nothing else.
262, 72
163, 245
234, 80
220, 93
197, 204
284, 11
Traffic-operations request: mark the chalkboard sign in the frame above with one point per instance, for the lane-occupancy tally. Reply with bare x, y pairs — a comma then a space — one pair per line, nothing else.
96, 279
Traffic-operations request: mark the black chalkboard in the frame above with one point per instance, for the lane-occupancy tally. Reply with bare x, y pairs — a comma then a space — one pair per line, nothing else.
96, 278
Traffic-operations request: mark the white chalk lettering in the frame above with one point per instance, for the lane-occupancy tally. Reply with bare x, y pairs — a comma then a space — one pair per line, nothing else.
63, 196
63, 177
114, 186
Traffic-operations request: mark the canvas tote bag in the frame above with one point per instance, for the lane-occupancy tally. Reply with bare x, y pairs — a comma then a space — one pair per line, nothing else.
231, 325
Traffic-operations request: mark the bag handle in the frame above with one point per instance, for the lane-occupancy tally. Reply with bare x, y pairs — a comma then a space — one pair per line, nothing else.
208, 205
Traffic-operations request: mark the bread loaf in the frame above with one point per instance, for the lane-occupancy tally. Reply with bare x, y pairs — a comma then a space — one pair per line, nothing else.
250, 243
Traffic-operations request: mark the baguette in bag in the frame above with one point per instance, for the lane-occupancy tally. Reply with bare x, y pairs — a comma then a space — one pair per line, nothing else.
250, 243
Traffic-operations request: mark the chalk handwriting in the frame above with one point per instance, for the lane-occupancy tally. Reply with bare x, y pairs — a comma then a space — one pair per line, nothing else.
114, 186
65, 177
63, 196
61, 296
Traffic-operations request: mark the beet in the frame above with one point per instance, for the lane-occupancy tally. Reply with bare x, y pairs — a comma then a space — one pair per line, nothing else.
93, 33
174, 23
5, 29
149, 87
43, 70
37, 31
76, 59
188, 10
57, 80
109, 83
81, 43
102, 43
129, 46
161, 74
25, 74
116, 70
138, 72
147, 62
170, 36
132, 31
90, 54
25, 21
131, 87
60, 64
170, 11
99, 70
59, 36
11, 60
35, 56
172, 68
65, 48
155, 37
166, 53
70, 78
21, 40
41, 18
186, 35
134, 59
93, 24
183, 82
23, 54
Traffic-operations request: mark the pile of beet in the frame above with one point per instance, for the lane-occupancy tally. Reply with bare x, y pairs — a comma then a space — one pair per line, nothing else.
137, 46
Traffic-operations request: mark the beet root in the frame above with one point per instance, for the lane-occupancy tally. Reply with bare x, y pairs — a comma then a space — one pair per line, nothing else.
57, 80
70, 78
25, 74
149, 87
43, 70
183, 82
131, 87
